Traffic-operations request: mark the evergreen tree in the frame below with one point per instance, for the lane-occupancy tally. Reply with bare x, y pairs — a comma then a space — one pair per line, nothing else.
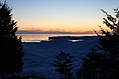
10, 45
64, 64
103, 61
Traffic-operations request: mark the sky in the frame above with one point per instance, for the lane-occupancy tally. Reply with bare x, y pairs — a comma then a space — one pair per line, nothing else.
60, 16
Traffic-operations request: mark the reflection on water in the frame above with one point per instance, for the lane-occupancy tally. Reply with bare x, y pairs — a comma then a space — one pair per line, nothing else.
75, 40
39, 37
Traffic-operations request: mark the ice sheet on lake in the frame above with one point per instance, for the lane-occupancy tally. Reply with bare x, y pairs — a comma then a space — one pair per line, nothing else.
39, 56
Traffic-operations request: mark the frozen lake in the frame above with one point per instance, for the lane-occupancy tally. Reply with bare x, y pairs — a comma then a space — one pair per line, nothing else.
39, 56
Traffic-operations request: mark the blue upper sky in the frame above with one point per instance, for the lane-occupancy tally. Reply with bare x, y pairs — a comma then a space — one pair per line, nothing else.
60, 15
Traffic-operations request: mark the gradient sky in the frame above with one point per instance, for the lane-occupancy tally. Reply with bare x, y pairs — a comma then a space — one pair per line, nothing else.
50, 16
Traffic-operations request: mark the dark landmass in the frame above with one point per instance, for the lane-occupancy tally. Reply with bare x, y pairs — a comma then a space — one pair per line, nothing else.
74, 37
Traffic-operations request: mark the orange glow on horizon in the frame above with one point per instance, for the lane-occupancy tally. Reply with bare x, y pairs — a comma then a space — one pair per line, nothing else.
56, 30
81, 26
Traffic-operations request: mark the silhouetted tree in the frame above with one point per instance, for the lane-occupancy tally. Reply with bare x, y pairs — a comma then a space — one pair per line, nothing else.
64, 64
103, 61
10, 45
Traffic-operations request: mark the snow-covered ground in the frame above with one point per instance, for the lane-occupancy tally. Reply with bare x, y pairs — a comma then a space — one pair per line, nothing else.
39, 56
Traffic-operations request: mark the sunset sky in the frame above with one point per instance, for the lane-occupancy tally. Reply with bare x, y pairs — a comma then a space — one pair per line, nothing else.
60, 16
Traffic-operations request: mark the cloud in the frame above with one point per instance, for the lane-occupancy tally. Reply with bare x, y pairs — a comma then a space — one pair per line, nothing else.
57, 31
43, 32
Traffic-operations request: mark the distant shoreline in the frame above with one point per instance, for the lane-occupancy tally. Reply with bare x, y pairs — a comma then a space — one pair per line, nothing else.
55, 33
73, 37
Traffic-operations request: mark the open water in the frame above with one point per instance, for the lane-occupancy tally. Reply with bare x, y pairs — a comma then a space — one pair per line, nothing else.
40, 37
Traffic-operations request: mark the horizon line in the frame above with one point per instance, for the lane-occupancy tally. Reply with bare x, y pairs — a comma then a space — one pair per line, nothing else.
54, 33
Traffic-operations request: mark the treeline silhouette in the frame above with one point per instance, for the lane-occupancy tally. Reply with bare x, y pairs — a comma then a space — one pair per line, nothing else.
10, 45
103, 61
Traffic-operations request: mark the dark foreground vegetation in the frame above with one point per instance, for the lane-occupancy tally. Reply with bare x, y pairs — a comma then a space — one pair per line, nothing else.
10, 45
101, 63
